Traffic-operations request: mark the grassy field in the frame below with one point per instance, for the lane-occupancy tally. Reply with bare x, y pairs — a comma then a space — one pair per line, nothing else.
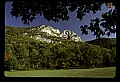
108, 72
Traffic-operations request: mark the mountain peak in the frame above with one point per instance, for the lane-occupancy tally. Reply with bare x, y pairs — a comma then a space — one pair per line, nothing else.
51, 31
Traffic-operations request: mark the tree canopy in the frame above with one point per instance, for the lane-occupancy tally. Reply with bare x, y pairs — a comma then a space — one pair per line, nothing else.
58, 10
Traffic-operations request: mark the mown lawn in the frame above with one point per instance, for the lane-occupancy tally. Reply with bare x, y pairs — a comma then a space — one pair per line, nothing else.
108, 72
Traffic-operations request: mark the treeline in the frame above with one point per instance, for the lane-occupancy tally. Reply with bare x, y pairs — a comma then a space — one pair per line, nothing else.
24, 53
108, 43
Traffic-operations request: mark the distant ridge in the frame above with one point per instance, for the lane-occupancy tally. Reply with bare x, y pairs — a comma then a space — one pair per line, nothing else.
104, 42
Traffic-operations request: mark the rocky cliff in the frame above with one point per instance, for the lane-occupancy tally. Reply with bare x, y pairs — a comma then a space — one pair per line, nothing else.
50, 31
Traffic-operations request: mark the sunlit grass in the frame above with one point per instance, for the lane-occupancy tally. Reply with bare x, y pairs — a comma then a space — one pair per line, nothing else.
108, 72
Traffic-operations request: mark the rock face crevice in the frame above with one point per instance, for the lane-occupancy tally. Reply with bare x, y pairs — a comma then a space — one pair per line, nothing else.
50, 31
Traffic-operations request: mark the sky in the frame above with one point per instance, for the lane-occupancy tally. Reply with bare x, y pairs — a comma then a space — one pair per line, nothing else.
73, 24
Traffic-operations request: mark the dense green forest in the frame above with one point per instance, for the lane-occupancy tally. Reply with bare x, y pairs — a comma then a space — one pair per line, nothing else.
108, 43
25, 53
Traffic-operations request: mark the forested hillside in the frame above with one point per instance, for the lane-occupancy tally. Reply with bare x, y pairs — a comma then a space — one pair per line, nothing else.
25, 53
108, 43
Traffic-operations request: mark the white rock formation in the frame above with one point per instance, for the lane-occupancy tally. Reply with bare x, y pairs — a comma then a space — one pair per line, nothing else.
73, 36
38, 37
50, 31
